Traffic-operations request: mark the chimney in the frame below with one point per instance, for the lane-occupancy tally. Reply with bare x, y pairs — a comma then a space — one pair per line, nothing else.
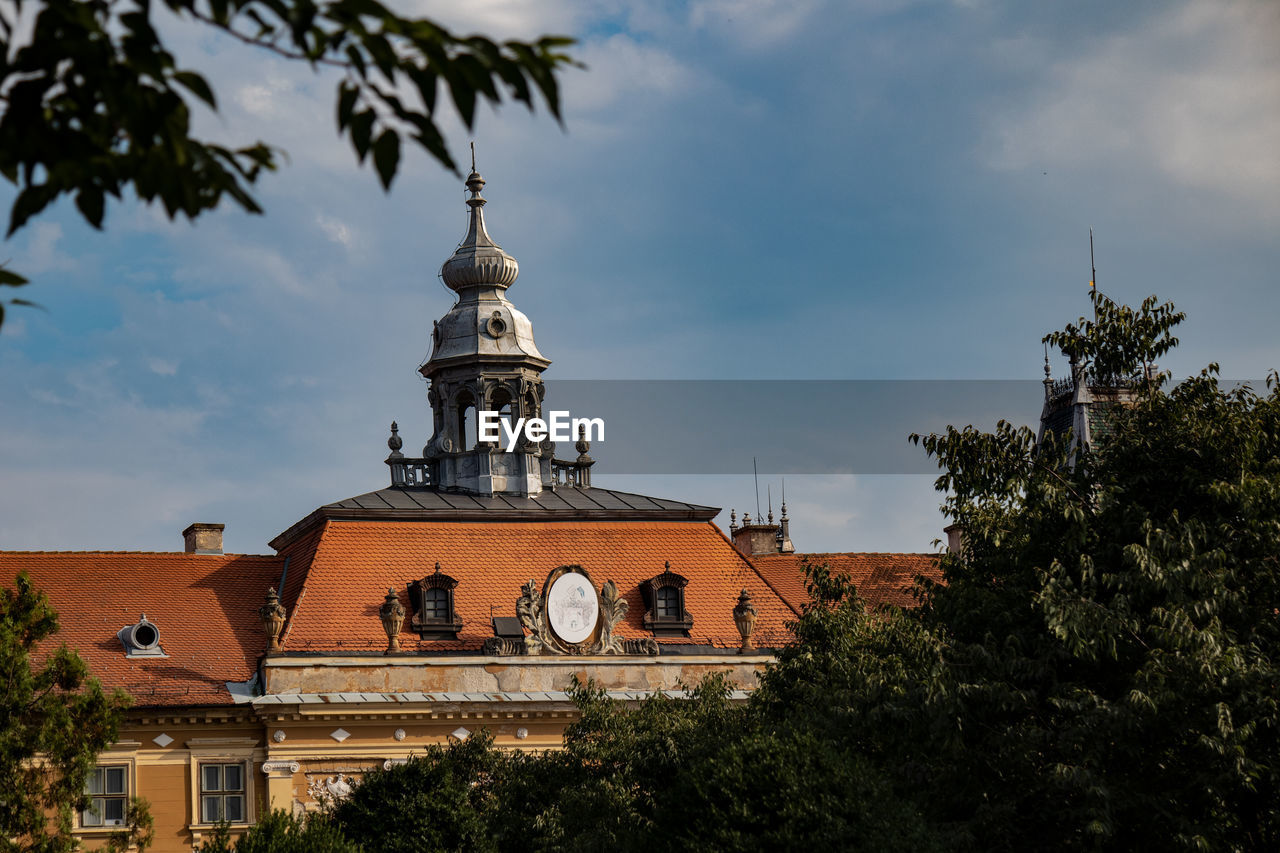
955, 538
203, 538
755, 539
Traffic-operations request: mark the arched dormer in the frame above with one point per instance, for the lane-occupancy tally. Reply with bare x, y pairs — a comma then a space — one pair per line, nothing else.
434, 616
665, 614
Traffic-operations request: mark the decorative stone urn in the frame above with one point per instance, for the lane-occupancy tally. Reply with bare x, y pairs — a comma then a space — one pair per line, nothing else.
272, 615
744, 616
392, 614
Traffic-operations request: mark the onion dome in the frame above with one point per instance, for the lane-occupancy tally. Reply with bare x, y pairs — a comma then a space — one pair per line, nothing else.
478, 262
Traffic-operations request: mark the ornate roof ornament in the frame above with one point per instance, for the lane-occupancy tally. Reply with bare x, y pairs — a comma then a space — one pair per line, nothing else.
395, 442
478, 260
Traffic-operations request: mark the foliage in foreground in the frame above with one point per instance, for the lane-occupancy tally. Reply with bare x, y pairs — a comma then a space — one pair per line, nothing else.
93, 102
54, 720
280, 832
701, 772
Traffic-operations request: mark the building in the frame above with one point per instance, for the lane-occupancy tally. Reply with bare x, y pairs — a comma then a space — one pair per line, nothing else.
469, 592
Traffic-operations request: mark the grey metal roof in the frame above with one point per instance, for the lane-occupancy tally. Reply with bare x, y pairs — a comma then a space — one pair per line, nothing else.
567, 503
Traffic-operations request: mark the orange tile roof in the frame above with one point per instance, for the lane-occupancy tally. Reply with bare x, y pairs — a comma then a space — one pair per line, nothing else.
356, 561
205, 607
879, 578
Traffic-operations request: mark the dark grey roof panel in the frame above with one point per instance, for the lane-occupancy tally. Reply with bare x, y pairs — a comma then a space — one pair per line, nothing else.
578, 498
565, 504
608, 499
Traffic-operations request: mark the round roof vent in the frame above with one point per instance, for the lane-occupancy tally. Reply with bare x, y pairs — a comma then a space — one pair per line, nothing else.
141, 639
144, 635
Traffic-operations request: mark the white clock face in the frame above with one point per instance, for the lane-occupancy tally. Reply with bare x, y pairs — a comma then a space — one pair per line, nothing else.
572, 607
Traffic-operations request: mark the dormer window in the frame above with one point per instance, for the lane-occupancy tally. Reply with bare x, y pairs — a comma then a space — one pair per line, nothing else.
665, 615
432, 600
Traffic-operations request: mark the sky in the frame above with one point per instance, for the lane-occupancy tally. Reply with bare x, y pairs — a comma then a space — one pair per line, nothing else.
767, 192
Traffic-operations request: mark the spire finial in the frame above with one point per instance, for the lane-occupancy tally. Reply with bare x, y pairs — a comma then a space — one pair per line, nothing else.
582, 446
784, 500
473, 155
395, 442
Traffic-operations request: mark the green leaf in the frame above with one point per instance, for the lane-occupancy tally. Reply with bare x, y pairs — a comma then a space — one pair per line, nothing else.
347, 95
386, 156
361, 132
90, 202
197, 85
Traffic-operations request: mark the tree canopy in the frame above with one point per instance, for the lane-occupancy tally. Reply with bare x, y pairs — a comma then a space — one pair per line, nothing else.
54, 720
94, 103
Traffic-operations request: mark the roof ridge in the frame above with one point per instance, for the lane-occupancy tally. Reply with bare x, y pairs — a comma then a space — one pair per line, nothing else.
99, 552
302, 590
856, 554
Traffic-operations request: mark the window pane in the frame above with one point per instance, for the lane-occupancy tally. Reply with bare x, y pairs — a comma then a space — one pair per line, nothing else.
92, 816
211, 809
668, 602
113, 813
437, 604
93, 783
115, 780
232, 777
211, 778
234, 808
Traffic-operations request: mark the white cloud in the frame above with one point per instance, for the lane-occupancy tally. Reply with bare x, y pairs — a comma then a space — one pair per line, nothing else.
621, 69
42, 252
162, 367
1194, 98
502, 19
335, 229
753, 23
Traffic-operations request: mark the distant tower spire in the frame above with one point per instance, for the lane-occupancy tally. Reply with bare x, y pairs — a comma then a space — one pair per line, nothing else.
784, 530
483, 357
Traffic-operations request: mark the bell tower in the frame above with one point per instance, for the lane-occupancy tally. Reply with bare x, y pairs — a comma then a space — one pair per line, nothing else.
483, 358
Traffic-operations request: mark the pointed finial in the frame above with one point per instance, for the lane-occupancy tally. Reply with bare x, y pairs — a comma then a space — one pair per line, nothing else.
733, 520
666, 565
473, 155
1046, 361
769, 492
437, 567
582, 446
395, 442
784, 500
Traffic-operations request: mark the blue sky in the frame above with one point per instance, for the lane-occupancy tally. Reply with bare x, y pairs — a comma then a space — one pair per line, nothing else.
741, 190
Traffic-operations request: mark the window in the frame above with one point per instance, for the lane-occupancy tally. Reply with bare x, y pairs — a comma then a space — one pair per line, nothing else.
434, 617
435, 604
222, 793
664, 598
107, 788
668, 603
